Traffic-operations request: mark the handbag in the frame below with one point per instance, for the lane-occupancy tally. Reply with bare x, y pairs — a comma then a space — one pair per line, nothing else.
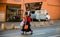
22, 23
26, 27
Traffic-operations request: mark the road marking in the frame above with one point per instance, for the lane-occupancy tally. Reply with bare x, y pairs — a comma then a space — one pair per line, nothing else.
55, 36
39, 33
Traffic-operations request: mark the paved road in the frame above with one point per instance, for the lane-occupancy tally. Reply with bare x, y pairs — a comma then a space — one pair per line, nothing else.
53, 31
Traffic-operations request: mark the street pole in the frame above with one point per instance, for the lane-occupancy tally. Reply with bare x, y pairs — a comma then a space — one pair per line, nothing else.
23, 7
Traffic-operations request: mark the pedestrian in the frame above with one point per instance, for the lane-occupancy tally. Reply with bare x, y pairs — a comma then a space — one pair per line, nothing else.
47, 17
24, 20
28, 23
26, 26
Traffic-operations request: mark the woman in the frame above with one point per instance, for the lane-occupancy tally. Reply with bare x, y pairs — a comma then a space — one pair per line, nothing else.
27, 21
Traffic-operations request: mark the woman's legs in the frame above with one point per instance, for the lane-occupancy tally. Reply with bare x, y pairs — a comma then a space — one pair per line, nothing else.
30, 28
22, 30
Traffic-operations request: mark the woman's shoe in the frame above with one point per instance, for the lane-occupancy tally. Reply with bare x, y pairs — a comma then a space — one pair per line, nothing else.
31, 32
22, 33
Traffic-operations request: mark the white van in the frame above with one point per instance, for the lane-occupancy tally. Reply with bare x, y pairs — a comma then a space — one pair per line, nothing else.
39, 15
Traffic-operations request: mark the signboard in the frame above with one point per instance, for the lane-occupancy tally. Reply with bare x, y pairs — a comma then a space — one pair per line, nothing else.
2, 17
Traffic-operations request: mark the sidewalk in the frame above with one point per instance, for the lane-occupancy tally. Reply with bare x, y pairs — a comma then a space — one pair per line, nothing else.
33, 24
37, 32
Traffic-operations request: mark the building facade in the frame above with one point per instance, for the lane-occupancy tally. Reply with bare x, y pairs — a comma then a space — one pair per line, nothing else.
18, 8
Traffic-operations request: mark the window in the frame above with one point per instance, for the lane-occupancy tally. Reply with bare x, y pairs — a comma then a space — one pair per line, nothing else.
33, 6
13, 14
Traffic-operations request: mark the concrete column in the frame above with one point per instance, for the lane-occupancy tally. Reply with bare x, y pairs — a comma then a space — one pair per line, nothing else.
3, 26
23, 7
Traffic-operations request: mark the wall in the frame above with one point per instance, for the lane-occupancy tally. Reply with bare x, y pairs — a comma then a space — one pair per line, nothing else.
3, 1
2, 12
30, 1
59, 12
14, 1
53, 8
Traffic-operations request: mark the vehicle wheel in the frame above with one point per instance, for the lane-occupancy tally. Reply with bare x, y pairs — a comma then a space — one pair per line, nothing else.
39, 20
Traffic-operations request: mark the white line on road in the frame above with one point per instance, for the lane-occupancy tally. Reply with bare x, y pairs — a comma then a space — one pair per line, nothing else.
55, 36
